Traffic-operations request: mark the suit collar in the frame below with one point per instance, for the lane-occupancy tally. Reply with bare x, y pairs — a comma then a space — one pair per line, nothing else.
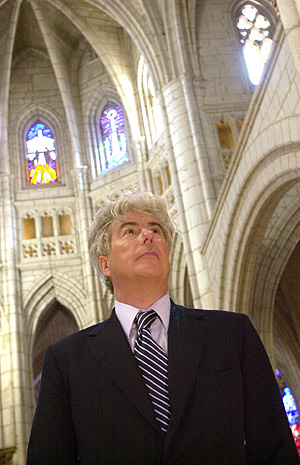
186, 338
109, 345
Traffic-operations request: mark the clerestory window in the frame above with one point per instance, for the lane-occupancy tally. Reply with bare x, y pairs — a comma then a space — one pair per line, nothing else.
255, 23
113, 146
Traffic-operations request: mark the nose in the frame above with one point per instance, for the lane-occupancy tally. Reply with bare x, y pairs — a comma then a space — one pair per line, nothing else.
147, 236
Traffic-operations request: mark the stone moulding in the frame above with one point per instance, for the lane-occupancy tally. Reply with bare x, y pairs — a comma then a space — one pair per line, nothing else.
6, 455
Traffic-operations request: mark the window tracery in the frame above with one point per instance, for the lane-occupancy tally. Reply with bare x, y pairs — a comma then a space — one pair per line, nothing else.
47, 233
255, 23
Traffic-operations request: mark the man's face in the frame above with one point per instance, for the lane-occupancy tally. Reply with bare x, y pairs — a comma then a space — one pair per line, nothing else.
139, 251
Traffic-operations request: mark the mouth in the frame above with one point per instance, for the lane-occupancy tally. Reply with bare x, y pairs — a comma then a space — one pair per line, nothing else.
149, 253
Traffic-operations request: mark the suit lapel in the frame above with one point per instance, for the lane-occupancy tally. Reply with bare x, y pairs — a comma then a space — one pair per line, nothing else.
108, 344
186, 337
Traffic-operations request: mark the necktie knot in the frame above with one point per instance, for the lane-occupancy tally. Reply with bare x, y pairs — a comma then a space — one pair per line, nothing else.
145, 319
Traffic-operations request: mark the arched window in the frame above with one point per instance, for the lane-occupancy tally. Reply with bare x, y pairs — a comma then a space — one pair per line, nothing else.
255, 24
291, 409
113, 146
41, 155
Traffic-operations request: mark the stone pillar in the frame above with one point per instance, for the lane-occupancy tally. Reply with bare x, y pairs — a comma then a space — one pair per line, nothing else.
15, 395
141, 158
290, 16
192, 180
84, 219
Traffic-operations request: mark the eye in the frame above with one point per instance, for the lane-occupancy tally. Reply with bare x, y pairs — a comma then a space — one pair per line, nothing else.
129, 231
156, 231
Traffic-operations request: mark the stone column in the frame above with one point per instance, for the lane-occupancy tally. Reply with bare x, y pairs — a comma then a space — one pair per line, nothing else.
290, 16
193, 187
16, 400
15, 397
141, 155
84, 219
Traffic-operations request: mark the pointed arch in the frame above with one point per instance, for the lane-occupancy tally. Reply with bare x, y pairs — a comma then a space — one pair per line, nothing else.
245, 246
139, 24
45, 291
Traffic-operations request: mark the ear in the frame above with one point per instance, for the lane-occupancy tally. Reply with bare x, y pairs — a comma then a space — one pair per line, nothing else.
103, 263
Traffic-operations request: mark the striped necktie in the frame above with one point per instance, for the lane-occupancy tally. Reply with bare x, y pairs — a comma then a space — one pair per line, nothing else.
153, 363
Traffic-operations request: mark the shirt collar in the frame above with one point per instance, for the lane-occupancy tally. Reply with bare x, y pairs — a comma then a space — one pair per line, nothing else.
127, 313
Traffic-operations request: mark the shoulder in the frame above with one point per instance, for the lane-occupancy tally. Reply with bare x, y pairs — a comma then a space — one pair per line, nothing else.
213, 315
78, 338
214, 319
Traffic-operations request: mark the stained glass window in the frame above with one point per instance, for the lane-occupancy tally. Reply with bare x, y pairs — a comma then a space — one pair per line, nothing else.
256, 28
290, 406
41, 155
114, 147
291, 409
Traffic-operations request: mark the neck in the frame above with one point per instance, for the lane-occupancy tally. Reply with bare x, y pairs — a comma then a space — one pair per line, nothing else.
141, 297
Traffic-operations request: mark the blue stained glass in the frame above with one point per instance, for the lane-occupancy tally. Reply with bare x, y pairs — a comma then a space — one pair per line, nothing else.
33, 131
41, 155
289, 403
113, 150
290, 406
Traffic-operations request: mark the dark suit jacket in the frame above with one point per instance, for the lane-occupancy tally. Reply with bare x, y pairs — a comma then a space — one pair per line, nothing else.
226, 407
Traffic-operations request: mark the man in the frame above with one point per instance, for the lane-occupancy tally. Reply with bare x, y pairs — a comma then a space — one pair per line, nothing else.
156, 383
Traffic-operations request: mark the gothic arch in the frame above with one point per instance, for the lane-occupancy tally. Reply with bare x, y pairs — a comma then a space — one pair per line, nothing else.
279, 241
139, 24
106, 48
259, 197
44, 292
22, 55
